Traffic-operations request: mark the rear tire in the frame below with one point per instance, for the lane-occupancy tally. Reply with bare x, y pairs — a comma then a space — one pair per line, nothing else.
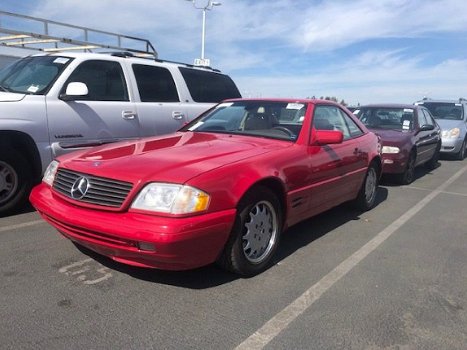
433, 162
15, 180
255, 234
366, 198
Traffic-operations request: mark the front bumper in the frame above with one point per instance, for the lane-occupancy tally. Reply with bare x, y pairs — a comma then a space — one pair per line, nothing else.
179, 243
451, 146
394, 163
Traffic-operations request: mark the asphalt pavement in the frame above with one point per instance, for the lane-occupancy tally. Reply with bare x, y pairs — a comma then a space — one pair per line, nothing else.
391, 278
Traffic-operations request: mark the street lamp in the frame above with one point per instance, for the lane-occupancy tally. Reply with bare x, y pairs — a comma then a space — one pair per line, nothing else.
210, 4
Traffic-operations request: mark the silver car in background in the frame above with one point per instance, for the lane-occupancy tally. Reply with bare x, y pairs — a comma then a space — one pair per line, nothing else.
451, 115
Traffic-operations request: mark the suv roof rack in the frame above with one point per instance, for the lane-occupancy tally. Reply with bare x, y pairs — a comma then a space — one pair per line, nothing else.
43, 40
187, 64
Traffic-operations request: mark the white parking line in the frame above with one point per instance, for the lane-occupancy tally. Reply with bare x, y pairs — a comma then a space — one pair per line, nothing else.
25, 224
281, 320
429, 190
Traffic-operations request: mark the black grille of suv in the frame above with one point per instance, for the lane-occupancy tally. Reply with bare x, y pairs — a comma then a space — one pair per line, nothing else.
99, 190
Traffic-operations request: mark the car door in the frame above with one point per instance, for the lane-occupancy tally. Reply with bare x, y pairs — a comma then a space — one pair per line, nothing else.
336, 170
426, 140
104, 114
159, 108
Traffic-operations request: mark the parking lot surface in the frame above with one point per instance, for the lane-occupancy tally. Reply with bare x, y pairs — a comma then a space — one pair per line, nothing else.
390, 278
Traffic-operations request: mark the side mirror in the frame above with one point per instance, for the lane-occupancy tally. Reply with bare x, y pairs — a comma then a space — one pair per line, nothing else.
327, 137
74, 91
427, 127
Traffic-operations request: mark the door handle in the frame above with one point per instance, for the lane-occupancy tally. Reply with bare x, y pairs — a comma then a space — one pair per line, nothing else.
129, 115
178, 115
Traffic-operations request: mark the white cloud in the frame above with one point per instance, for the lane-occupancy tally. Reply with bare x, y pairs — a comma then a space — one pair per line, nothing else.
337, 24
388, 80
266, 45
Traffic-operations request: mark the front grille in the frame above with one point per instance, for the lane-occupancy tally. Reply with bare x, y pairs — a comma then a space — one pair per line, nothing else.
101, 191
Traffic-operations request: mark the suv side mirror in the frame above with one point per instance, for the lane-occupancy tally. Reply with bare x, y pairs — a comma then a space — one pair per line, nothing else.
74, 91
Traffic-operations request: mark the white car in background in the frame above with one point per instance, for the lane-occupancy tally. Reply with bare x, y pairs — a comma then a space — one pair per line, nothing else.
451, 115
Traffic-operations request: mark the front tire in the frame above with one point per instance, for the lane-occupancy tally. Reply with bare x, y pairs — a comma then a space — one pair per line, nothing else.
15, 180
461, 154
408, 175
255, 234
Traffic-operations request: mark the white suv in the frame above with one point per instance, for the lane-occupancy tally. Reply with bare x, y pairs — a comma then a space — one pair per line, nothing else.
55, 103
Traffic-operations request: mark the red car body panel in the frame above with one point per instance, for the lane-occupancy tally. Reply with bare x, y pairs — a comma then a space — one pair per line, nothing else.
307, 177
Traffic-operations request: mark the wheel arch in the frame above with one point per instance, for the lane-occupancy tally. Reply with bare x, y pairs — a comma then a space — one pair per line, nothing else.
24, 144
276, 186
377, 160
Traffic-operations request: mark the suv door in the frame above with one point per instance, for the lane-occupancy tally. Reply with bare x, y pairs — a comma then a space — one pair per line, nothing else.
104, 115
159, 108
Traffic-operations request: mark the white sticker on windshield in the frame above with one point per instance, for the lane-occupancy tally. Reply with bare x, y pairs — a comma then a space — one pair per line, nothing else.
294, 106
406, 125
408, 110
356, 112
194, 127
226, 104
33, 88
61, 60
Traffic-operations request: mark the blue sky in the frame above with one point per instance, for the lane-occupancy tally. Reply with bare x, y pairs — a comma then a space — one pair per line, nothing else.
361, 51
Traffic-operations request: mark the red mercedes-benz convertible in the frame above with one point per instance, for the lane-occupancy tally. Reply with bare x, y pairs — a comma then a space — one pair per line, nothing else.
222, 189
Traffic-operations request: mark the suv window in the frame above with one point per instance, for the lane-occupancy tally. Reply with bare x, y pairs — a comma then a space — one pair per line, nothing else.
104, 79
155, 84
445, 110
209, 86
33, 75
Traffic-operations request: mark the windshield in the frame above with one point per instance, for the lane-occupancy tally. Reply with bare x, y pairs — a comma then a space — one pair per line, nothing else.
32, 75
271, 119
445, 110
386, 118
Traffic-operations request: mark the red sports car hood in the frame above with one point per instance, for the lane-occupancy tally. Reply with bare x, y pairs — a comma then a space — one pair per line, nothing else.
392, 137
173, 158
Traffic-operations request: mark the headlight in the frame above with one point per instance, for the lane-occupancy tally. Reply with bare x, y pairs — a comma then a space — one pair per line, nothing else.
171, 198
49, 175
390, 149
451, 134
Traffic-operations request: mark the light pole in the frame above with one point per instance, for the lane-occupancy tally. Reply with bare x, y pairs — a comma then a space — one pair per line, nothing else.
210, 4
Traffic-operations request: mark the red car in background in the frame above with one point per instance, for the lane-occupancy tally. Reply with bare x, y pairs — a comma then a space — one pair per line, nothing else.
222, 189
409, 134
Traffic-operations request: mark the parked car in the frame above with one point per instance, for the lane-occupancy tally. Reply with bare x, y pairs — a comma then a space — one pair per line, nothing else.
451, 115
409, 134
223, 188
51, 104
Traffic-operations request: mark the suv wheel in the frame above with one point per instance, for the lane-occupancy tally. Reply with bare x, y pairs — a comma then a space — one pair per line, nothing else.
15, 180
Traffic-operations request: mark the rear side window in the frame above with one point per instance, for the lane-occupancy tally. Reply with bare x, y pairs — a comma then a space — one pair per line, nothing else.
209, 86
104, 79
155, 84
